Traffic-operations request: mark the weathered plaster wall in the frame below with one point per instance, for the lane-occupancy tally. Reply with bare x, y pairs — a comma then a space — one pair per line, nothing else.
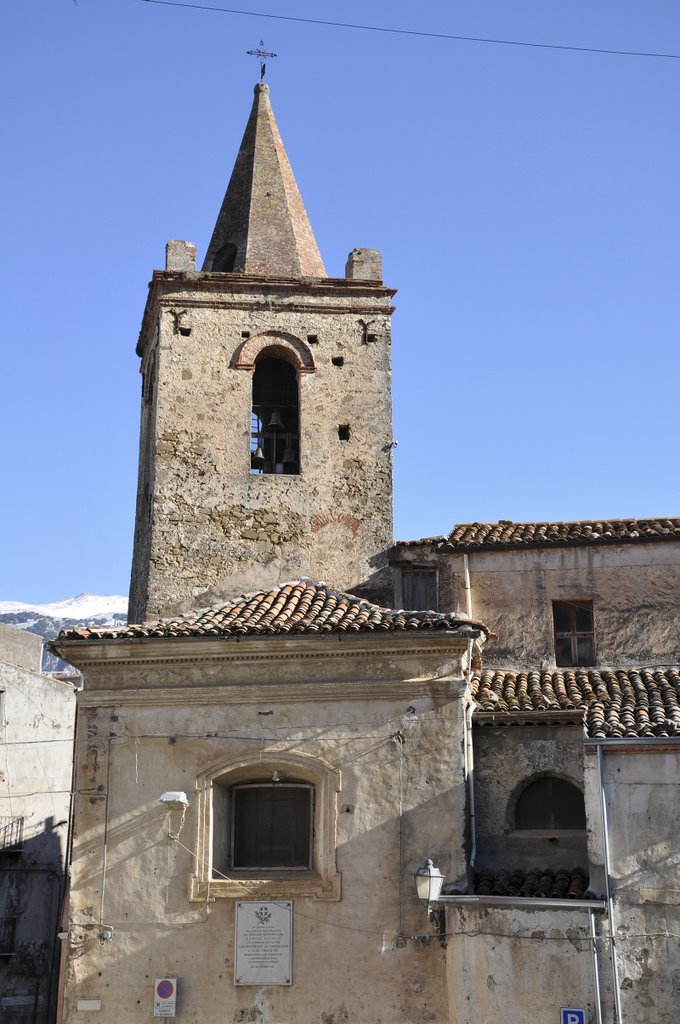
206, 527
21, 648
633, 588
36, 746
515, 964
641, 786
396, 740
506, 759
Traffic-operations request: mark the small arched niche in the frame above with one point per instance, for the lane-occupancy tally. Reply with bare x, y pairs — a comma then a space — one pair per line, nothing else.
224, 259
549, 804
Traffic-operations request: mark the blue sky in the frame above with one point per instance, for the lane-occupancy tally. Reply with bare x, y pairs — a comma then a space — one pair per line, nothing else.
525, 201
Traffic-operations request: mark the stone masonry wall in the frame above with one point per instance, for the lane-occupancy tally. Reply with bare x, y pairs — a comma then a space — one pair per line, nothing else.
214, 528
506, 759
633, 588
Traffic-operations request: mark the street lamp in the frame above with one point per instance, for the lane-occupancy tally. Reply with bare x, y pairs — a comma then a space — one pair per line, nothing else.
429, 881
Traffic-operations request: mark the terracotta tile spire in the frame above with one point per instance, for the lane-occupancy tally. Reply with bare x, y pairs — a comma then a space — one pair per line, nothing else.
262, 227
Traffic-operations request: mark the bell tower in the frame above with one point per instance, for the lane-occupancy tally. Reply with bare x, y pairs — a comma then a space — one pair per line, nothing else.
266, 428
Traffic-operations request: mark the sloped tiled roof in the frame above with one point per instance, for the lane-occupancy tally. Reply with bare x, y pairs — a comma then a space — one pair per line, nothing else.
299, 607
565, 884
507, 534
628, 702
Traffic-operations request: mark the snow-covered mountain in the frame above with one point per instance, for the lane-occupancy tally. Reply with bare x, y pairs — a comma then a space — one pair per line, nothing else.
48, 619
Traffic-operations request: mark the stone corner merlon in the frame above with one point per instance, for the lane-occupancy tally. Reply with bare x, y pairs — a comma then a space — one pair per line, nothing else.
180, 256
364, 265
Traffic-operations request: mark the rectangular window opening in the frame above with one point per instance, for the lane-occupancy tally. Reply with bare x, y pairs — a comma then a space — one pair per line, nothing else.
338, 361
7, 933
574, 633
313, 339
419, 589
343, 432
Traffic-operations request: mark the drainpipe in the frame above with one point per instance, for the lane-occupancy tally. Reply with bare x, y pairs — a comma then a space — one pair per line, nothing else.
468, 748
468, 588
470, 778
608, 887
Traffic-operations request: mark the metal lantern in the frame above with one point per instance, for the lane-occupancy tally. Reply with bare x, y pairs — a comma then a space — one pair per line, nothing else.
429, 881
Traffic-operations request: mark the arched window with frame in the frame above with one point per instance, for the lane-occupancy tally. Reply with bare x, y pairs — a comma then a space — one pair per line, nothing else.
551, 804
270, 820
275, 419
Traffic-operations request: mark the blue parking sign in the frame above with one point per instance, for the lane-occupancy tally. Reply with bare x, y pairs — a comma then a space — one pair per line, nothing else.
568, 1015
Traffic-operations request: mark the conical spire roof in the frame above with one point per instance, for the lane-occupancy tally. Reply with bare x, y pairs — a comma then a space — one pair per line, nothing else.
262, 227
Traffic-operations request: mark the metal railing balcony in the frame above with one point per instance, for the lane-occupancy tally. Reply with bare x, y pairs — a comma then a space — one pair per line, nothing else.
11, 834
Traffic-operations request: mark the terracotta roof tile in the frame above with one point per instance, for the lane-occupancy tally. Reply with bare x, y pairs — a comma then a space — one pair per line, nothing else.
299, 607
507, 534
565, 884
633, 703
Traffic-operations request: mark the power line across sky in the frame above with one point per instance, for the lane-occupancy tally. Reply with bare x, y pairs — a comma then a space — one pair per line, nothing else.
423, 33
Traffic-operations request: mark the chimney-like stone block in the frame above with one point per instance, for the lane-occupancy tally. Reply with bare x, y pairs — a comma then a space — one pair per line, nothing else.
180, 256
364, 265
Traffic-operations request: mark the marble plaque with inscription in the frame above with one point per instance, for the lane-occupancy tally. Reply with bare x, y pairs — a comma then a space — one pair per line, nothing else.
264, 949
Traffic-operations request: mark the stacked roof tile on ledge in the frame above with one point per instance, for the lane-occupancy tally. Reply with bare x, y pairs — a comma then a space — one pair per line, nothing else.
299, 607
633, 703
555, 885
507, 534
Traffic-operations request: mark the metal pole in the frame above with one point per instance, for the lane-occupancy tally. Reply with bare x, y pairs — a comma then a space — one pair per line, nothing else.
608, 888
596, 969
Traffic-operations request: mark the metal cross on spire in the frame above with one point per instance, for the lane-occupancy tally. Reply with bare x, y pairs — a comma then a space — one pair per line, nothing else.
261, 54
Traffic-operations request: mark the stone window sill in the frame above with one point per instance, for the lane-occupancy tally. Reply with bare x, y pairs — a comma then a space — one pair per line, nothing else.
286, 885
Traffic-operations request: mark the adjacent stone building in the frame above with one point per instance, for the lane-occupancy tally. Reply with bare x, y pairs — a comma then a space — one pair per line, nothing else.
260, 777
575, 748
37, 714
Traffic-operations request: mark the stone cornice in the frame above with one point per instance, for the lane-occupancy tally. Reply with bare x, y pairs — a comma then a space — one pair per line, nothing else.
271, 306
222, 694
222, 291
180, 650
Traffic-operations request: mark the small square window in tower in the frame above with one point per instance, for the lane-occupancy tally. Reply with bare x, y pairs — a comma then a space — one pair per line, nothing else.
272, 826
274, 431
574, 635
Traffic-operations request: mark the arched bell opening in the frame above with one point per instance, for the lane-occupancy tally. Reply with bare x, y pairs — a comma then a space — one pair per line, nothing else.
275, 418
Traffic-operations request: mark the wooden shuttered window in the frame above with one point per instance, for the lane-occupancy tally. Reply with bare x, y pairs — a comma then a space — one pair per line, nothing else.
272, 825
419, 589
550, 803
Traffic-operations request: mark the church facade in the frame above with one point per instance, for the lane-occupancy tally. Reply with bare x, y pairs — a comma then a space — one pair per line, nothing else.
261, 780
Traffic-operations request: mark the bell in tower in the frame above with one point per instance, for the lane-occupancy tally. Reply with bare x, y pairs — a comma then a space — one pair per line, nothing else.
265, 449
